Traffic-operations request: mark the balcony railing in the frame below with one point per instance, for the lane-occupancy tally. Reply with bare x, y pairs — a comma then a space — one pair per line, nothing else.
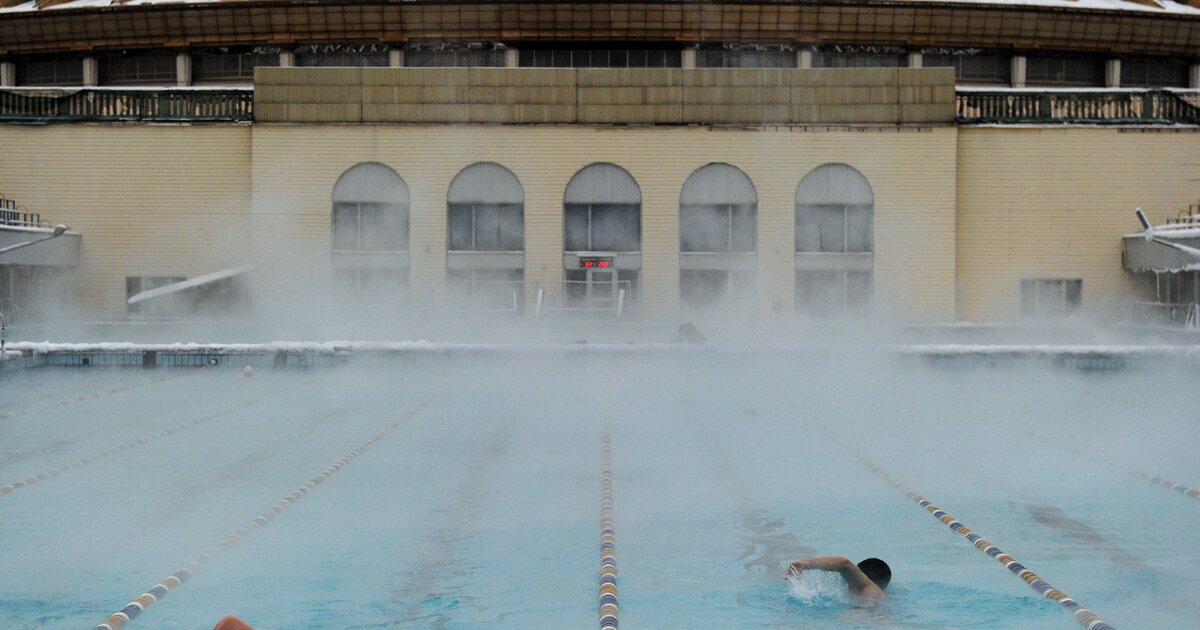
16, 215
142, 105
1186, 314
1110, 106
974, 105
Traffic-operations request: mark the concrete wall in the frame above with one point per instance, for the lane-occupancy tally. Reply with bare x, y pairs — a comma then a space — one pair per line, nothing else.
1044, 202
295, 167
601, 96
962, 215
170, 200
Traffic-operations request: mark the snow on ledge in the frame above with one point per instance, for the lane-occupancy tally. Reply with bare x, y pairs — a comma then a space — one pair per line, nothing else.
1049, 350
428, 347
312, 347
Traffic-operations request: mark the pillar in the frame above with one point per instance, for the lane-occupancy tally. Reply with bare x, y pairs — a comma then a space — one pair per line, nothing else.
1112, 73
395, 58
804, 59
183, 69
916, 60
287, 59
1018, 71
8, 74
91, 71
689, 57
512, 58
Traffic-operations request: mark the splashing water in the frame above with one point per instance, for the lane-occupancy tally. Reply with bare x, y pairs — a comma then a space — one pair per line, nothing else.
818, 588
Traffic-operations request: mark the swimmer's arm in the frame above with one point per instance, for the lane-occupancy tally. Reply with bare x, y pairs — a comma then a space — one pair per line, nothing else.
854, 577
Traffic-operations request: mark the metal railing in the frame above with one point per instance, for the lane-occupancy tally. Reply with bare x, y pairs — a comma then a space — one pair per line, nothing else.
17, 216
1186, 314
20, 218
142, 105
489, 296
1110, 106
581, 296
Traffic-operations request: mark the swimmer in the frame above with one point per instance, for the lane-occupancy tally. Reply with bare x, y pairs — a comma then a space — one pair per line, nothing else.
248, 371
232, 623
866, 580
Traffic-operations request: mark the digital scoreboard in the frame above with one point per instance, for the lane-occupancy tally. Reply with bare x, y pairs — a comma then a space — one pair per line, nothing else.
595, 262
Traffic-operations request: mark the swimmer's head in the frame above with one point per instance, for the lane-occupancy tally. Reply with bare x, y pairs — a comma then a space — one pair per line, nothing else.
878, 570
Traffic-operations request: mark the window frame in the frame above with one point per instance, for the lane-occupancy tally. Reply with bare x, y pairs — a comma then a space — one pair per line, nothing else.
1068, 300
153, 75
517, 209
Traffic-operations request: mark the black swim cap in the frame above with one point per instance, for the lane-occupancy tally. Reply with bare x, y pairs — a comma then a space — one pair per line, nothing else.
878, 570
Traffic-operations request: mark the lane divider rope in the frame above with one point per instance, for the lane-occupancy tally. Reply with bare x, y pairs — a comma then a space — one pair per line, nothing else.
56, 472
1085, 617
84, 397
1155, 479
609, 612
176, 579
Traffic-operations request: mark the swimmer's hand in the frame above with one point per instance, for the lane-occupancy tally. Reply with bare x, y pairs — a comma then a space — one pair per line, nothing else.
797, 567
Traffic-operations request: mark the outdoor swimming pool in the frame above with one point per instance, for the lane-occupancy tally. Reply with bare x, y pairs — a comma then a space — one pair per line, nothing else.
483, 508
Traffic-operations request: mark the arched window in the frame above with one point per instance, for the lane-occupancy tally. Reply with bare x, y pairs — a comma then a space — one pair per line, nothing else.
485, 214
835, 240
370, 228
370, 210
835, 211
717, 209
602, 211
486, 210
602, 214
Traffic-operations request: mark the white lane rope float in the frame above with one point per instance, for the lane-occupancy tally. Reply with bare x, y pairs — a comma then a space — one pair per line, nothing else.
1154, 479
57, 472
609, 613
90, 395
175, 580
1085, 617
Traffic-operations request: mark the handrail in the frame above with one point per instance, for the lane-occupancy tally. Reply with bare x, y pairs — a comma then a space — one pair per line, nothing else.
13, 215
973, 105
142, 105
1108, 106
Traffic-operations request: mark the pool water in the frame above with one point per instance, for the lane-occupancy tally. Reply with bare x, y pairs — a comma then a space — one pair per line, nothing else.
482, 510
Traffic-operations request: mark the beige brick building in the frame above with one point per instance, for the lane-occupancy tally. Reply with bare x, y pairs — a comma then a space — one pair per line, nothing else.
813, 193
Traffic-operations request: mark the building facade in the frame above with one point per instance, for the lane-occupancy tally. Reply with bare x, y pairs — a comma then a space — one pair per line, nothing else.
742, 172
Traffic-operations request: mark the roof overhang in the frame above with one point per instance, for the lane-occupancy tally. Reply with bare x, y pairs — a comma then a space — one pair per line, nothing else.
62, 251
1159, 255
876, 22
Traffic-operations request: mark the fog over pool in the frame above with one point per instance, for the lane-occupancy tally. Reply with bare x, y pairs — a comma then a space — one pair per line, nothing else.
483, 508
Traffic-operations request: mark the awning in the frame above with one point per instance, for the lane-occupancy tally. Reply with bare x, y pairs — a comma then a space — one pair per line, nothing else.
190, 283
1171, 248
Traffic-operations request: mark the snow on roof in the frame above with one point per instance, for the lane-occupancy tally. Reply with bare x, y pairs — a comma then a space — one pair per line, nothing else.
39, 229
1149, 6
198, 281
1172, 230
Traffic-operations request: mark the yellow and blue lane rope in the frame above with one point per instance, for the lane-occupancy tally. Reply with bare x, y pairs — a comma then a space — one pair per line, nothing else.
1091, 456
56, 472
609, 611
134, 608
1085, 617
